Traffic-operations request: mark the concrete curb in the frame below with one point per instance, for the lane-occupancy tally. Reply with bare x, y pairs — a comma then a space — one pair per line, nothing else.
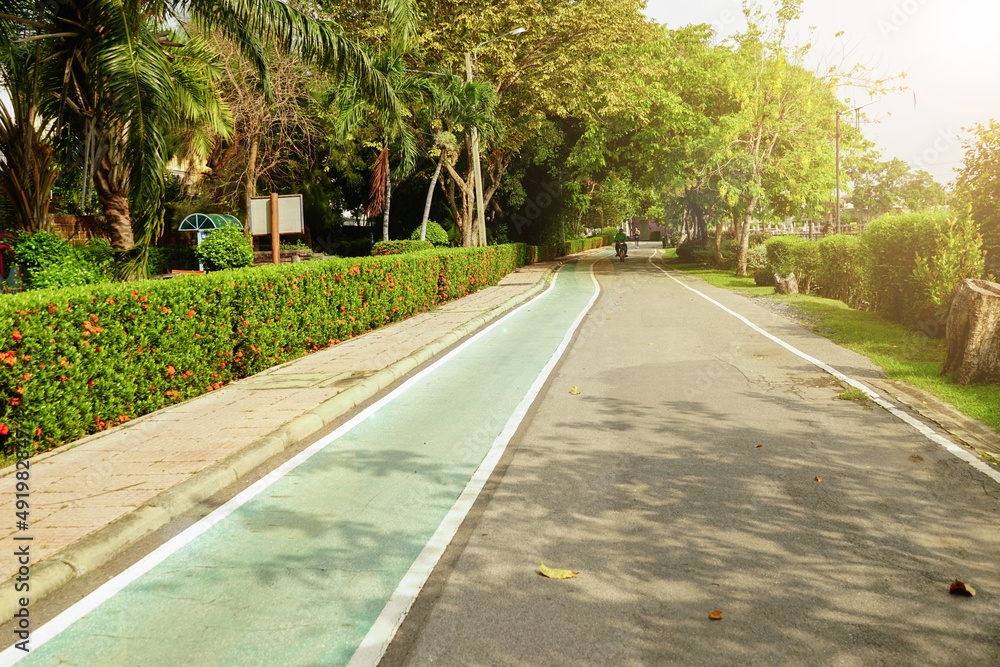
101, 546
980, 437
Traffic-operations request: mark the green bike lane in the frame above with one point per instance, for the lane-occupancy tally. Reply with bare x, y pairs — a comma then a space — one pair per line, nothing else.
297, 569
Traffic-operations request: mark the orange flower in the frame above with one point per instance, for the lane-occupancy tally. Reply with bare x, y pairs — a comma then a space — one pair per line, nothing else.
191, 313
16, 335
171, 370
38, 431
27, 376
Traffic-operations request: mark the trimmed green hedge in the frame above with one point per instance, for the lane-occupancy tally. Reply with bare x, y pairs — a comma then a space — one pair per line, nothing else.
400, 247
890, 246
840, 272
78, 360
793, 254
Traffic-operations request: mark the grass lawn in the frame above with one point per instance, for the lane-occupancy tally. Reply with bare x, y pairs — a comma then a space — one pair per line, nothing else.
903, 353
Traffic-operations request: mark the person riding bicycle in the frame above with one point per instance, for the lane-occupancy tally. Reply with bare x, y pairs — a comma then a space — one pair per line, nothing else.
621, 242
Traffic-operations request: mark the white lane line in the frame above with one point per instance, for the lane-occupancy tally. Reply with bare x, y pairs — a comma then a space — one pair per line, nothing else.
48, 631
906, 417
380, 635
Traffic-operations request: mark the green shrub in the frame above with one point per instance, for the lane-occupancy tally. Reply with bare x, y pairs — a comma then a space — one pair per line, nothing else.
793, 254
400, 247
839, 273
890, 247
958, 254
72, 270
226, 248
81, 359
35, 251
757, 266
434, 233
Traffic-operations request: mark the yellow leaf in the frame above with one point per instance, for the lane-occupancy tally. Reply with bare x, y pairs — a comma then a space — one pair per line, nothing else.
715, 615
552, 573
574, 391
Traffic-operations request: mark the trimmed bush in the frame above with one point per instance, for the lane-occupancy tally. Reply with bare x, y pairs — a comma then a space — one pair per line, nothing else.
890, 246
79, 360
400, 247
757, 266
839, 273
792, 254
226, 248
435, 233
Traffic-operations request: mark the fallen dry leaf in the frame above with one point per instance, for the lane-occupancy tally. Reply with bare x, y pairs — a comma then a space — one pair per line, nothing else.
715, 615
758, 445
819, 479
959, 587
574, 391
553, 573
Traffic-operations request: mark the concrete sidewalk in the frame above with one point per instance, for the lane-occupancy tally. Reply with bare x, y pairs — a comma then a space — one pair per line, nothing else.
91, 499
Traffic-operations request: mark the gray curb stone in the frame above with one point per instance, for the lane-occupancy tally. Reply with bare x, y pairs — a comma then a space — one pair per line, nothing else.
101, 546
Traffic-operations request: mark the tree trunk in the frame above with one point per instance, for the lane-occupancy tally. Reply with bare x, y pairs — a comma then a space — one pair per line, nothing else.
388, 200
973, 332
786, 284
114, 203
250, 181
430, 197
465, 212
741, 257
717, 245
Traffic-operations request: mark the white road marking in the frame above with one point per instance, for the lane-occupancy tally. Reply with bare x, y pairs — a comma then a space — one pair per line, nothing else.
48, 631
906, 417
380, 635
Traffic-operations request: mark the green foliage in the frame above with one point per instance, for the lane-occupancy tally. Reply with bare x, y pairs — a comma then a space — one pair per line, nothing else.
358, 248
35, 251
434, 233
400, 247
757, 266
226, 248
72, 270
890, 247
978, 186
957, 255
840, 273
82, 359
793, 254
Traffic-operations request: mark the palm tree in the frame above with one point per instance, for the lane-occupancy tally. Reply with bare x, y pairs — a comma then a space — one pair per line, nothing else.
394, 124
454, 108
114, 91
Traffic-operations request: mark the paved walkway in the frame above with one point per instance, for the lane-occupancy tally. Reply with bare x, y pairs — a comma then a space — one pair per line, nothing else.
140, 475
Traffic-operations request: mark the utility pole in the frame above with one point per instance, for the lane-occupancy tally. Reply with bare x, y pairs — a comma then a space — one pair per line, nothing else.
856, 110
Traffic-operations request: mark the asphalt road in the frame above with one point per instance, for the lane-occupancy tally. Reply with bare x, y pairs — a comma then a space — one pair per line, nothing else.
650, 482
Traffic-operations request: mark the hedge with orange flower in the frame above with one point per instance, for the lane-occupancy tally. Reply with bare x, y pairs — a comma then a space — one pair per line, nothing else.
79, 360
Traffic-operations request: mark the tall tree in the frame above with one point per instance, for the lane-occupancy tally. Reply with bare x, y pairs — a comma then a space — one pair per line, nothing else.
111, 77
978, 186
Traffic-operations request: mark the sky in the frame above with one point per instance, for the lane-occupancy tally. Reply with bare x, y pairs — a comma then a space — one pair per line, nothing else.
950, 52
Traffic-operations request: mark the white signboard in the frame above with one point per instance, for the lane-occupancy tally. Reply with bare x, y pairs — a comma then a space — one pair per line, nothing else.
290, 215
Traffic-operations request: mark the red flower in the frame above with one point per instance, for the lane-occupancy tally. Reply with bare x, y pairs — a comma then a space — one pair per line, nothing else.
38, 431
171, 370
4, 430
14, 401
27, 376
122, 419
16, 335
63, 378
191, 313
90, 383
